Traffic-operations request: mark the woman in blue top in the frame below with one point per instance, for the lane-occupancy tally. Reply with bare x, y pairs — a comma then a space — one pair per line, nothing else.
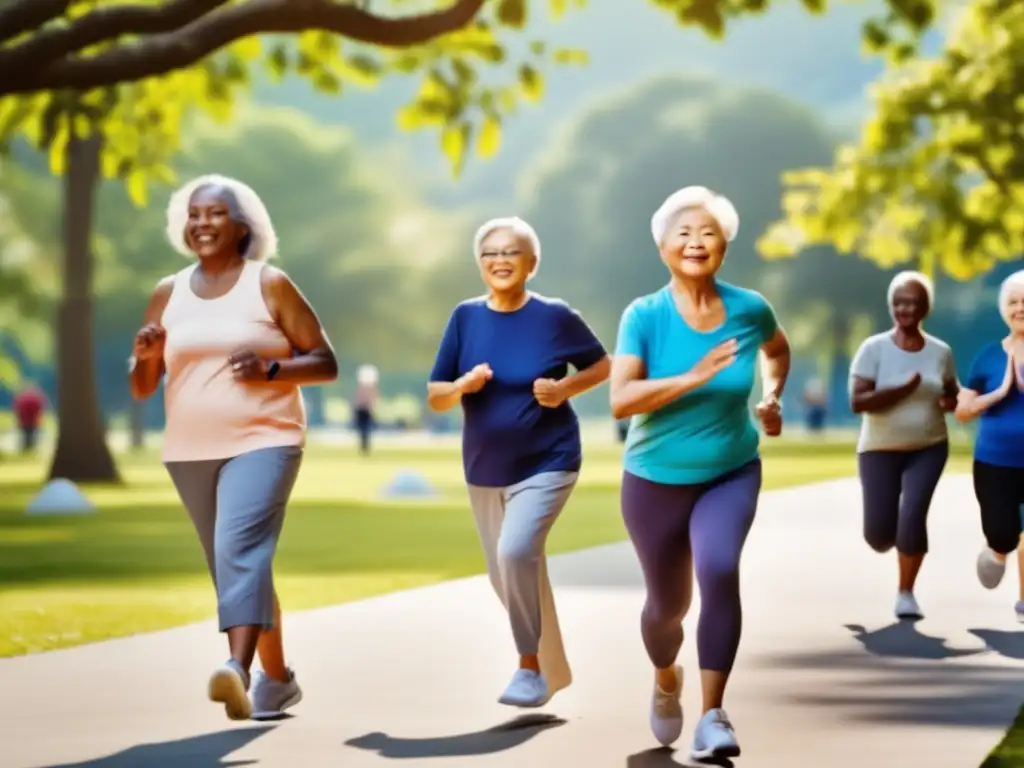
684, 370
505, 357
995, 391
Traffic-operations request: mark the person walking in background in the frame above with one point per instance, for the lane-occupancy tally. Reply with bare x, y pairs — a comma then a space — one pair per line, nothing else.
235, 339
684, 371
29, 406
902, 383
505, 358
815, 398
994, 394
363, 404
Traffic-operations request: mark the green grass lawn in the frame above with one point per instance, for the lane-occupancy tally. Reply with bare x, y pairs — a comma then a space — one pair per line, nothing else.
136, 566
1010, 752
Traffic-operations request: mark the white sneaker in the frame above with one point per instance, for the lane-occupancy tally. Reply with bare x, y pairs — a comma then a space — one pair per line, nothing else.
667, 711
229, 685
907, 607
714, 737
528, 689
990, 569
1019, 610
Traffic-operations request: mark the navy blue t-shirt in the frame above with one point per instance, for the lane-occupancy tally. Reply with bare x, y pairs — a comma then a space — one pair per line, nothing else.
508, 436
1000, 438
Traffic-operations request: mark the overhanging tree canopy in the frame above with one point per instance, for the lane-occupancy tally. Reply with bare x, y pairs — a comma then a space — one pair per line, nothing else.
937, 177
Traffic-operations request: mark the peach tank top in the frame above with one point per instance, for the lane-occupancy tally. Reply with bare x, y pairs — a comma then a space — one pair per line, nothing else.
209, 414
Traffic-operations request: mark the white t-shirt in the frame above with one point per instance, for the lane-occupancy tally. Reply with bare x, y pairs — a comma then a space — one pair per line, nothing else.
916, 421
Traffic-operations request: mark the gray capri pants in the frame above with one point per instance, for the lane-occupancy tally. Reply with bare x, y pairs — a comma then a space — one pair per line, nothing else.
513, 524
897, 488
237, 506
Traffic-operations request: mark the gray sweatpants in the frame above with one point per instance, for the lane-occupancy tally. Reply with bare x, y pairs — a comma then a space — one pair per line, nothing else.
513, 524
237, 507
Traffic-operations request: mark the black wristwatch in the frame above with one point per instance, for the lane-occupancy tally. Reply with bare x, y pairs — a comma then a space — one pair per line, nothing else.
272, 370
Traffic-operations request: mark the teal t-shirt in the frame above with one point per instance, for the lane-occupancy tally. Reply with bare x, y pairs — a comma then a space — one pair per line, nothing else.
710, 430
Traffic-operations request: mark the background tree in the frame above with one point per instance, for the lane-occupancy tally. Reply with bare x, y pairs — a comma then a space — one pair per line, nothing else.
937, 178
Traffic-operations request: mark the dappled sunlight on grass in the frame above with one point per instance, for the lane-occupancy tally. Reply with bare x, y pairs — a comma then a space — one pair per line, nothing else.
137, 566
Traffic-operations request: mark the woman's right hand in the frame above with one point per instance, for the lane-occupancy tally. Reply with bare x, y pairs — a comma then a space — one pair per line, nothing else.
474, 380
717, 359
149, 342
1009, 378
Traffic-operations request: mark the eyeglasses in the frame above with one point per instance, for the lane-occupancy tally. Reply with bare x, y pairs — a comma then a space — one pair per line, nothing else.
504, 254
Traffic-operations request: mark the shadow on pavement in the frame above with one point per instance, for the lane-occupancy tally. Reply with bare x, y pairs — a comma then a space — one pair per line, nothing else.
496, 739
206, 751
1008, 644
903, 640
664, 757
903, 691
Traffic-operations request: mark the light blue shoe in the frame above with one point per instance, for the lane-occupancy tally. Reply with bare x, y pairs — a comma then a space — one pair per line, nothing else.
714, 737
528, 689
1019, 608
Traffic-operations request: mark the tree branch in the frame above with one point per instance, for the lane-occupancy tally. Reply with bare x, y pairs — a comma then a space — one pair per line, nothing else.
19, 16
106, 23
189, 44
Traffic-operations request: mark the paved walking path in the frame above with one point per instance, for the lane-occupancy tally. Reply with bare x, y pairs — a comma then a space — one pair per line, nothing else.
825, 677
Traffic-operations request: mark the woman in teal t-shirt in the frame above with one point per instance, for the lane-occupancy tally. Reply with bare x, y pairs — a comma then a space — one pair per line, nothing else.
994, 390
684, 371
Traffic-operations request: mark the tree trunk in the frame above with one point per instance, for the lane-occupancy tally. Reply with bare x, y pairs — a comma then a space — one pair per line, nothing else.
82, 453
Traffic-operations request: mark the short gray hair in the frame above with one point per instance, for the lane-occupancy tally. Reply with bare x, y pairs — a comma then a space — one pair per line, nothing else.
719, 206
1014, 282
514, 224
910, 276
247, 208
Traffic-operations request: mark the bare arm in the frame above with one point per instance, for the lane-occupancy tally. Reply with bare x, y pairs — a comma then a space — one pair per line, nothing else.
775, 364
950, 394
316, 362
970, 404
867, 399
588, 378
144, 374
632, 394
443, 395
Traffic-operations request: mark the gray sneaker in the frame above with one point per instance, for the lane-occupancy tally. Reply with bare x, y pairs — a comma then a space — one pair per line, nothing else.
229, 685
990, 569
270, 697
1019, 609
714, 737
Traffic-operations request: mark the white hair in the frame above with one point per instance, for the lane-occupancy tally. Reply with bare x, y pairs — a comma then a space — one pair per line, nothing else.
367, 374
910, 276
518, 227
249, 210
1009, 286
719, 206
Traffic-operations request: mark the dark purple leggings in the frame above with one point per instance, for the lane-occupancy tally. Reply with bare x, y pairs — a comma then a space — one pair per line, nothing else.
676, 529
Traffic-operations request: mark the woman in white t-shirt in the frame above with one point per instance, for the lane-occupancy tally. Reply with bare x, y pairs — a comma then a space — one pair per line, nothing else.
904, 383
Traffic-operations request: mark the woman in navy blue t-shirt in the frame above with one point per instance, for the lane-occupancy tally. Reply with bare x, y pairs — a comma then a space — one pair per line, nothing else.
505, 357
995, 392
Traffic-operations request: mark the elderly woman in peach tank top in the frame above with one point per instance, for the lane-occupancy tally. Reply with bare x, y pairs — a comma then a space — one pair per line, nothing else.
234, 339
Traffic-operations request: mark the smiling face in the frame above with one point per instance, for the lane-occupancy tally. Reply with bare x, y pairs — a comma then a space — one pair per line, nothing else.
694, 245
1013, 310
909, 304
212, 229
506, 261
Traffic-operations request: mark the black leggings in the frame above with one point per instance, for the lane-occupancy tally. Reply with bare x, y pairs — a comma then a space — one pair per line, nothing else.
1000, 494
897, 488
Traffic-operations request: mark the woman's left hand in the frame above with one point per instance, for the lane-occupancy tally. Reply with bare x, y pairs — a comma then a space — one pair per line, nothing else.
248, 366
549, 392
769, 411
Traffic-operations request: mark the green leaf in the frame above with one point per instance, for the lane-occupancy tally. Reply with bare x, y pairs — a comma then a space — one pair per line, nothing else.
531, 83
489, 140
58, 148
512, 13
10, 376
364, 69
277, 62
137, 188
557, 9
454, 140
572, 56
537, 47
327, 82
